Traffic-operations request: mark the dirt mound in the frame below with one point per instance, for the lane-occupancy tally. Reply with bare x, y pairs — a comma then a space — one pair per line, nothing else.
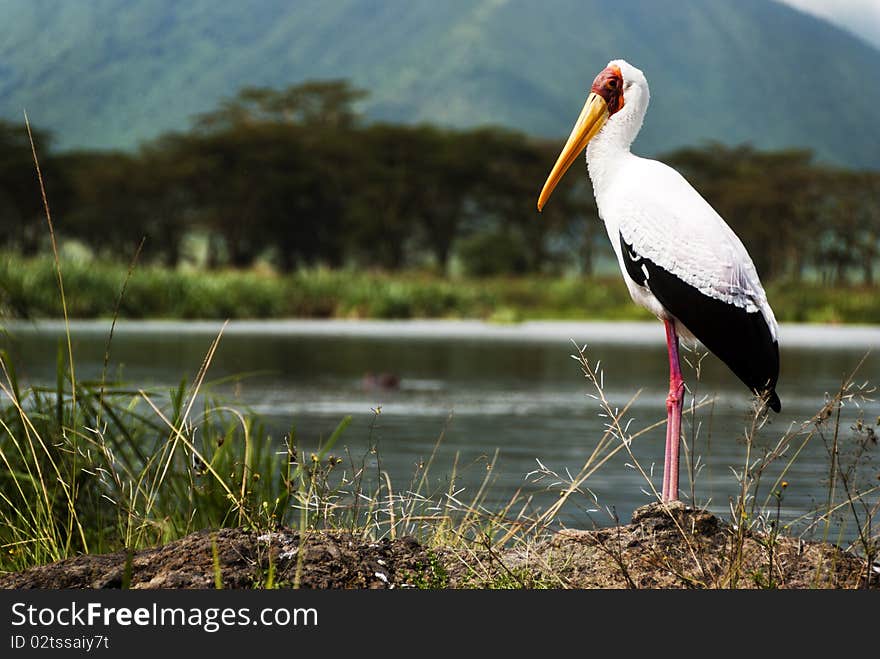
664, 547
244, 559
674, 546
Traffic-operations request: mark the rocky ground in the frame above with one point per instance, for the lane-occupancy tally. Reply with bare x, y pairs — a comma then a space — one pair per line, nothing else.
674, 547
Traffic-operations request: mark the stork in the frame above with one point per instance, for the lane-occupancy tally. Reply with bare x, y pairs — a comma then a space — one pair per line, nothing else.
678, 257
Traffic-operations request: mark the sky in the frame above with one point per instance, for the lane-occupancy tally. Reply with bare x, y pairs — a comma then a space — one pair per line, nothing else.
862, 17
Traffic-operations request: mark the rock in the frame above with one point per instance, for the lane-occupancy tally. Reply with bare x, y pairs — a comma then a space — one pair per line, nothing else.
658, 516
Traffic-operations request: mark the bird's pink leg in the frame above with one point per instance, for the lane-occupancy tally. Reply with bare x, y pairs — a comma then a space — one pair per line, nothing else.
674, 402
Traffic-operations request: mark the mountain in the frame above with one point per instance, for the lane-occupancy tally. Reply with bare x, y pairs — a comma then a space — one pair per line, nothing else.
113, 73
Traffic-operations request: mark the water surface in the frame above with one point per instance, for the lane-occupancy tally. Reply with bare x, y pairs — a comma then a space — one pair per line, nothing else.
510, 389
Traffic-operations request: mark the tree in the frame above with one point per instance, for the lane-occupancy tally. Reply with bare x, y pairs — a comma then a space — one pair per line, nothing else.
121, 198
506, 196
295, 176
316, 103
389, 196
22, 220
451, 164
850, 237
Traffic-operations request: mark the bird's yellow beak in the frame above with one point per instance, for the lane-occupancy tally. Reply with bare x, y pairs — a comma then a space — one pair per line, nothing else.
592, 118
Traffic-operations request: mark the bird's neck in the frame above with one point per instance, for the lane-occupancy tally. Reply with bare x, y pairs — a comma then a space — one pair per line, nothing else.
611, 146
603, 160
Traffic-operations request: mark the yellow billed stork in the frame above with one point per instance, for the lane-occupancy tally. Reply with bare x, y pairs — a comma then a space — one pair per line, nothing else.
678, 257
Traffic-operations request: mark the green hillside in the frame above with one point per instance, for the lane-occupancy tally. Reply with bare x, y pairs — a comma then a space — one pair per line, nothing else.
112, 73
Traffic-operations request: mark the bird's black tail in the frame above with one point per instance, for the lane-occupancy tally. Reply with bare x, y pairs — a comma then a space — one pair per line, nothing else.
772, 400
740, 338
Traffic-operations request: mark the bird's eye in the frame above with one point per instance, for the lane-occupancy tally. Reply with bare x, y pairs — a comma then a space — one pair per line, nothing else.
612, 84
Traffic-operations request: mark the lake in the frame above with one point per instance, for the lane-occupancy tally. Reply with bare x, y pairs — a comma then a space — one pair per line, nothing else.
486, 387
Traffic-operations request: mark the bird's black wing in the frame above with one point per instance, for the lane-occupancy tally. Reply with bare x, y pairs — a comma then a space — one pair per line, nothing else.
739, 338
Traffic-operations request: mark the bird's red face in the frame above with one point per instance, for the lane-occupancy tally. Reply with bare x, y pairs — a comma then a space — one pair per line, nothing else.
609, 85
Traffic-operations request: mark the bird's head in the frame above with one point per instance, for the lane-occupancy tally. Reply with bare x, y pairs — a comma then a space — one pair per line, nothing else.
618, 94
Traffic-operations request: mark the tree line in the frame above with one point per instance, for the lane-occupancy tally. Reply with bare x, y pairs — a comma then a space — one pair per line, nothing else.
295, 177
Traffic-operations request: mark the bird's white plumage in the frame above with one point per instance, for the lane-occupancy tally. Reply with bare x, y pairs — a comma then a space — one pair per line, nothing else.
665, 219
